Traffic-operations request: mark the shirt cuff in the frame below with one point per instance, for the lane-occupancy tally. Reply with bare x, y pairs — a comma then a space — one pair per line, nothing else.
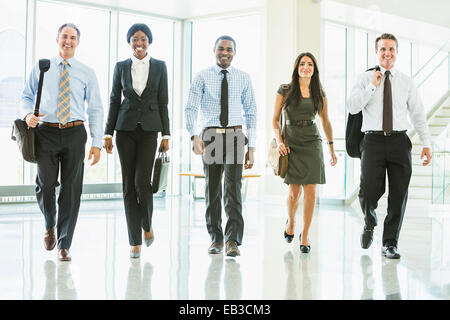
251, 132
97, 142
371, 88
166, 137
107, 136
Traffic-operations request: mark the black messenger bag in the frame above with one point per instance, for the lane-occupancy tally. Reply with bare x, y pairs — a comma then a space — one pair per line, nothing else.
23, 134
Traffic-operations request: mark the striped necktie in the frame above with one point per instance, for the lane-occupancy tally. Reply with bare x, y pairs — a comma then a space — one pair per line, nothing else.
64, 95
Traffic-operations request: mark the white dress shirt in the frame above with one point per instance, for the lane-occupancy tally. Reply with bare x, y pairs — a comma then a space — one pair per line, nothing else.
139, 76
139, 73
405, 101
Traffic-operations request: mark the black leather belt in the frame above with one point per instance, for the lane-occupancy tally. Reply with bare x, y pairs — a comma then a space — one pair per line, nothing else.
382, 133
300, 123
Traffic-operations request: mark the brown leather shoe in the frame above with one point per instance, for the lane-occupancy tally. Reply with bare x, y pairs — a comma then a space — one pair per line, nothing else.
232, 249
50, 239
64, 255
215, 247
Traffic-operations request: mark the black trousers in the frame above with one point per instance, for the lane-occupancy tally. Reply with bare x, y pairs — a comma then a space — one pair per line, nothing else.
380, 154
229, 164
60, 152
137, 153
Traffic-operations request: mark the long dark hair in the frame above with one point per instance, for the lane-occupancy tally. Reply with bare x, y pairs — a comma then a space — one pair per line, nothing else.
315, 86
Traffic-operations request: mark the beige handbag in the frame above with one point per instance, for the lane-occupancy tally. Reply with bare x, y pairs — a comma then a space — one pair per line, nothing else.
277, 162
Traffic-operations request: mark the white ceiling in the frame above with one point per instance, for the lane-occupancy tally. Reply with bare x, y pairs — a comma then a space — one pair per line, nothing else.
435, 12
181, 9
430, 11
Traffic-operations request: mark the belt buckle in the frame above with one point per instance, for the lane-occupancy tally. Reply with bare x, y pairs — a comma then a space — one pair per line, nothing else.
220, 130
387, 134
60, 125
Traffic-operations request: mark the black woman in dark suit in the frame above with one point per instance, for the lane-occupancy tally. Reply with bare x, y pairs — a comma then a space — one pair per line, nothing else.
138, 118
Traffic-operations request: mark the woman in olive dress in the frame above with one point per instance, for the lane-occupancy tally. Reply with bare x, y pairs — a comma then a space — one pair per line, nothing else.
304, 98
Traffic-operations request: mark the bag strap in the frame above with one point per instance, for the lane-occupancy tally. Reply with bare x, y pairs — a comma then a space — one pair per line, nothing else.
44, 65
283, 124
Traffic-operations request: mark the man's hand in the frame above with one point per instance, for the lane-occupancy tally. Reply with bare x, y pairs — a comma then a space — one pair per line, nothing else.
96, 153
426, 152
164, 146
198, 146
108, 145
376, 78
249, 158
32, 120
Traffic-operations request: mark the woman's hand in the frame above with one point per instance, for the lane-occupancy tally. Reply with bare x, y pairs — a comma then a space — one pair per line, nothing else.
108, 145
164, 146
283, 150
333, 160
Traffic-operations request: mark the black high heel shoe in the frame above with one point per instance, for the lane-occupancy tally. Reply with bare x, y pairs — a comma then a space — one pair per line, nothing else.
288, 237
304, 249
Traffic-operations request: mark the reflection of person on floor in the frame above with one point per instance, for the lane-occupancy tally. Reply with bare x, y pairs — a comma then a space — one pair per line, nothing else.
60, 287
368, 280
391, 285
50, 280
291, 291
233, 280
306, 283
212, 282
139, 288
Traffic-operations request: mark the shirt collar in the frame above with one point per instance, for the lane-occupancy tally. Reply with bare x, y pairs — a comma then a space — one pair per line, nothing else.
145, 60
219, 69
393, 71
59, 60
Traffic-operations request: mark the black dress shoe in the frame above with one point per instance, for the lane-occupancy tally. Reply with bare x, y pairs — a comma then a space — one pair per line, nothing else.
288, 237
366, 238
390, 252
304, 249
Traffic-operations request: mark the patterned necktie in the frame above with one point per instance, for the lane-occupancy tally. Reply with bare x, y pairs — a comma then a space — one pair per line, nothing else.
63, 111
387, 104
224, 100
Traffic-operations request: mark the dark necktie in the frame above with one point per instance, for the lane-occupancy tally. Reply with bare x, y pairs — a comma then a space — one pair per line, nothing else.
224, 100
387, 104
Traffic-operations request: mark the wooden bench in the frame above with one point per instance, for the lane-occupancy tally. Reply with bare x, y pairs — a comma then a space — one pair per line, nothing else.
198, 175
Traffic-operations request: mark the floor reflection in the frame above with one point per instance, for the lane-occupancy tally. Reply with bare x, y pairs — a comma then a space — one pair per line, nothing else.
232, 278
389, 276
212, 282
368, 278
59, 284
139, 286
291, 288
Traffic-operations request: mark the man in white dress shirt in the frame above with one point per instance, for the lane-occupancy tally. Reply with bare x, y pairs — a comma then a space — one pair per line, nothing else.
385, 98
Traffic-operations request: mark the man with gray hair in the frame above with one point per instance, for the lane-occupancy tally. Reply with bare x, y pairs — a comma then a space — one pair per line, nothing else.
224, 96
61, 136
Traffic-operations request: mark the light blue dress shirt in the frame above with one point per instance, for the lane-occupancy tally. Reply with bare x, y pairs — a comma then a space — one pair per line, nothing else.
83, 88
204, 96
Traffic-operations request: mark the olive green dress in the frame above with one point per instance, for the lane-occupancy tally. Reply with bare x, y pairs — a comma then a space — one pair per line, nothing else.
305, 165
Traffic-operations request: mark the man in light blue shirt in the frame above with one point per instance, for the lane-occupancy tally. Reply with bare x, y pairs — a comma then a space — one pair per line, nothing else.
224, 97
61, 135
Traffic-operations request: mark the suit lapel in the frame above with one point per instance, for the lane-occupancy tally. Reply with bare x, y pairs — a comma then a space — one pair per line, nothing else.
152, 73
128, 78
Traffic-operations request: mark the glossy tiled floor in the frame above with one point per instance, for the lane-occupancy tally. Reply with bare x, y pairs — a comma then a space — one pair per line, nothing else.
177, 265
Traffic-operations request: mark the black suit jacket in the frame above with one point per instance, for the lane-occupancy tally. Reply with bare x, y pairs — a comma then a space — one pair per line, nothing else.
150, 109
